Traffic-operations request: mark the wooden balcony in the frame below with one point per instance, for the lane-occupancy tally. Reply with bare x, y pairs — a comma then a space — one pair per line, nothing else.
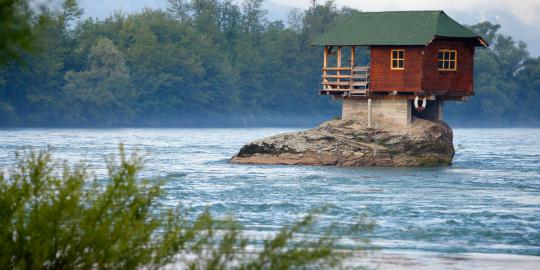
345, 81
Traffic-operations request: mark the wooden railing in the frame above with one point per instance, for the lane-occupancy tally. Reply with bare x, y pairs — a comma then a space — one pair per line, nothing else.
352, 79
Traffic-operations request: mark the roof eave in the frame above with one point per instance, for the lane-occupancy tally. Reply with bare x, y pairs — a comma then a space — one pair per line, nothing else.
369, 45
479, 41
482, 42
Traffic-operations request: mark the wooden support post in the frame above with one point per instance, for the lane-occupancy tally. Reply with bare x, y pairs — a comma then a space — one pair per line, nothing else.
339, 57
325, 65
351, 80
352, 58
369, 113
338, 65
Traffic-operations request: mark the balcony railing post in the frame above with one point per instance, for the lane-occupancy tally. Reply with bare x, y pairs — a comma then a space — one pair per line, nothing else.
352, 68
339, 66
325, 65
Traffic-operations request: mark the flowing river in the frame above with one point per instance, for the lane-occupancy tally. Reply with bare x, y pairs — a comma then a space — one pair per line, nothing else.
488, 201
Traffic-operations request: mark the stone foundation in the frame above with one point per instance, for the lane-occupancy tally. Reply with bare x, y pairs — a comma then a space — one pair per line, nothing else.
399, 111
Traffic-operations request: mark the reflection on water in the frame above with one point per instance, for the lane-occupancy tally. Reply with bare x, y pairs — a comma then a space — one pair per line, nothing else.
488, 201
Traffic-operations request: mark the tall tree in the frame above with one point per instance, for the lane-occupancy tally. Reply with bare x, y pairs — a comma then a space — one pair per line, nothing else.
15, 30
254, 17
180, 9
99, 94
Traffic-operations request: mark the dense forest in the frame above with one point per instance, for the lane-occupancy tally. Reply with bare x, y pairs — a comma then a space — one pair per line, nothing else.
215, 63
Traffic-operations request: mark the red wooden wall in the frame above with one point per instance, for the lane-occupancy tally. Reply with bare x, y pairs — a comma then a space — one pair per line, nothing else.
421, 72
460, 80
383, 78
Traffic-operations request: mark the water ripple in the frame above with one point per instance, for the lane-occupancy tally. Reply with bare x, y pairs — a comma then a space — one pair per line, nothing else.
488, 201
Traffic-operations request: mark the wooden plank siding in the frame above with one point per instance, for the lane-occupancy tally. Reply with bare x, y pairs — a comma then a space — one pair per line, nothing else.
460, 80
421, 73
383, 78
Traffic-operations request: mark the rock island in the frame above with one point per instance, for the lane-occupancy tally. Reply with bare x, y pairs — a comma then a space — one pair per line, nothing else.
392, 71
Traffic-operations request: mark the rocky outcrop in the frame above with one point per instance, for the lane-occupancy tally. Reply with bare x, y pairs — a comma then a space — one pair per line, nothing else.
352, 143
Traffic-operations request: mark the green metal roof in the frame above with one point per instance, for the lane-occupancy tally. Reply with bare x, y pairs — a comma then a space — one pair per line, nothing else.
395, 28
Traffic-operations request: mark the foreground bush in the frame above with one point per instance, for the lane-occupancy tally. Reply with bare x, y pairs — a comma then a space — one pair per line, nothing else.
55, 216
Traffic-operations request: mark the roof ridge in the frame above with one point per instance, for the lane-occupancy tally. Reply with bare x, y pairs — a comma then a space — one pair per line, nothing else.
415, 27
403, 11
457, 23
436, 24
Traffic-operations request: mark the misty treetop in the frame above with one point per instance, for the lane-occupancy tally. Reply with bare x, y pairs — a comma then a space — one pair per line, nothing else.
213, 62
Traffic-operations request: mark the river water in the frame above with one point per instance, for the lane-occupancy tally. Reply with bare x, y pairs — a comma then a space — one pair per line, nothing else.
488, 201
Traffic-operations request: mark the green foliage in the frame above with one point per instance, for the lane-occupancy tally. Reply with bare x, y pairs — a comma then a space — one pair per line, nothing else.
210, 62
100, 92
15, 30
200, 62
504, 84
52, 221
56, 216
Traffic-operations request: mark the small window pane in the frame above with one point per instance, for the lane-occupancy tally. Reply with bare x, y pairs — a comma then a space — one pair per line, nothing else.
447, 59
394, 64
400, 62
401, 54
394, 54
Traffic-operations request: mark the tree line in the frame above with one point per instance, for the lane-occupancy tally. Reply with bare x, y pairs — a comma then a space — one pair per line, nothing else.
214, 62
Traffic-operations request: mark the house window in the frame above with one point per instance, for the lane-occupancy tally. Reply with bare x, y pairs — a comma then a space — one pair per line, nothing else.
397, 59
447, 60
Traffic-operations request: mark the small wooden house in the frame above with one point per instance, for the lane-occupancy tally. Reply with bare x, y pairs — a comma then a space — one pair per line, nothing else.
417, 60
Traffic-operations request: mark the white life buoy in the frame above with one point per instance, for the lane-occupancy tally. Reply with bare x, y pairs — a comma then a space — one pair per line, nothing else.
420, 108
